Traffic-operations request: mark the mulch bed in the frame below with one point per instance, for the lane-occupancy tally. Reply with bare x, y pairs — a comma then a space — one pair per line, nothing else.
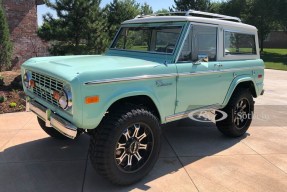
13, 92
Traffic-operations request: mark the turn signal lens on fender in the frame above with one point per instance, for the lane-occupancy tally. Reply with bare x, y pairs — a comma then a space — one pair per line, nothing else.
92, 99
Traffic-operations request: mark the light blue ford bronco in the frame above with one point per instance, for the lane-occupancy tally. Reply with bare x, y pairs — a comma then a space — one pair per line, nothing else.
157, 70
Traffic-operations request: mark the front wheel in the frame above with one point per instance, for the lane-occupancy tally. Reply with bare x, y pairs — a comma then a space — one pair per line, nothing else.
126, 145
239, 112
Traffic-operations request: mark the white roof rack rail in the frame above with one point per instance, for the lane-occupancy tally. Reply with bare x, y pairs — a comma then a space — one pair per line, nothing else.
144, 16
212, 15
194, 13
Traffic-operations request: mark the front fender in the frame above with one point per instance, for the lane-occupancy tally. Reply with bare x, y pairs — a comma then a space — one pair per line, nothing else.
109, 94
235, 83
128, 93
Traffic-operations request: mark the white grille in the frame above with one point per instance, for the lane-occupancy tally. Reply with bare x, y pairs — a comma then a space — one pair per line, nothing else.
45, 86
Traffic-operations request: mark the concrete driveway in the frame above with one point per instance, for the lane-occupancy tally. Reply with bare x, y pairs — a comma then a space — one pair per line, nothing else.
194, 156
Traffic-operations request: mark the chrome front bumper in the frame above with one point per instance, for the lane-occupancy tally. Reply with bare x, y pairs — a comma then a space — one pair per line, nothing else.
52, 120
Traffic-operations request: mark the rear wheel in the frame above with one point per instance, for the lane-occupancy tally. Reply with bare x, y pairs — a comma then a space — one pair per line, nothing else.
126, 145
239, 111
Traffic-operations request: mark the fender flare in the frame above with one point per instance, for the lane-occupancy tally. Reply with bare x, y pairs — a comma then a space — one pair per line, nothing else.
127, 93
235, 83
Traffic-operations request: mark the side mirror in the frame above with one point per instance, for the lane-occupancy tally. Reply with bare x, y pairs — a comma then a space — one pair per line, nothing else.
201, 58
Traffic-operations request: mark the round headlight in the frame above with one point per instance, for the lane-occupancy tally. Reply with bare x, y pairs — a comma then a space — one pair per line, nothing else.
26, 79
65, 99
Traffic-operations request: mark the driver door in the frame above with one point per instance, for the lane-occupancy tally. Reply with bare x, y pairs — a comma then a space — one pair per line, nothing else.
199, 78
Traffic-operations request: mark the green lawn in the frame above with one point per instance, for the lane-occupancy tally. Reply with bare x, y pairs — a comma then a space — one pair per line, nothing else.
139, 48
275, 59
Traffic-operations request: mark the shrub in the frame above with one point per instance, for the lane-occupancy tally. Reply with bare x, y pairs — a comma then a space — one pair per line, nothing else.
21, 107
2, 98
17, 82
5, 43
1, 80
13, 104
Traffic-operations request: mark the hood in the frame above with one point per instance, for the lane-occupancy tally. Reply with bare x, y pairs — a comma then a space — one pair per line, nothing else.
90, 67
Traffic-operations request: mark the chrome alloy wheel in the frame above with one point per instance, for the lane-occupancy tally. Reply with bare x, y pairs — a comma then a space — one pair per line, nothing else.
241, 113
134, 147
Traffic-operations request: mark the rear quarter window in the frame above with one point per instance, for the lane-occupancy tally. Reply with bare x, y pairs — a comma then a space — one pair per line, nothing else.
239, 44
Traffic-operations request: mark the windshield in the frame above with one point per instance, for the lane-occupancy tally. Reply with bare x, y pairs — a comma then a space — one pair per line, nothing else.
149, 39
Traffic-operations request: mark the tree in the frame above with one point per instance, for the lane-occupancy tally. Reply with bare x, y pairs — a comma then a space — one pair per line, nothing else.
146, 9
259, 13
162, 11
236, 8
5, 43
118, 11
185, 5
282, 13
79, 28
215, 7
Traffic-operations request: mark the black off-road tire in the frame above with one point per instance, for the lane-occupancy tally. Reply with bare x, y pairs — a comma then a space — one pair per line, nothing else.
230, 126
51, 131
105, 140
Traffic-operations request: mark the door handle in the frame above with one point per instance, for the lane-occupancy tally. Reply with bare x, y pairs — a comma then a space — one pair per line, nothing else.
218, 65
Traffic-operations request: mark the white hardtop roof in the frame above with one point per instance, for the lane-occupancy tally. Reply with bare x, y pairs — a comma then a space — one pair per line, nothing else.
154, 19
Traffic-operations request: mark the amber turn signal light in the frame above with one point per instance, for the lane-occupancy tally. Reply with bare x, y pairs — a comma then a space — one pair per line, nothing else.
32, 84
92, 99
56, 95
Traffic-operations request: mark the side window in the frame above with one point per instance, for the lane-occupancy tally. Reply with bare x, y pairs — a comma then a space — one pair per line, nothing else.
239, 43
185, 54
202, 40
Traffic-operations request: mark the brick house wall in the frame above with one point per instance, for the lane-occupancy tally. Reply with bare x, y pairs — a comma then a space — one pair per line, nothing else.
22, 21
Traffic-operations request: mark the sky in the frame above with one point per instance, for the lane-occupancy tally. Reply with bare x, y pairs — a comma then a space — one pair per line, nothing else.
155, 4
